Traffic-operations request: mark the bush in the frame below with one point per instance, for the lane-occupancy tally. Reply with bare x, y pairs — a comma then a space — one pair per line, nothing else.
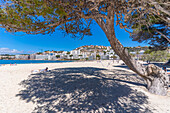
157, 56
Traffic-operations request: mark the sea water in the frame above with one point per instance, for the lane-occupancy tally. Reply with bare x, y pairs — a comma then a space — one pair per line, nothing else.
30, 61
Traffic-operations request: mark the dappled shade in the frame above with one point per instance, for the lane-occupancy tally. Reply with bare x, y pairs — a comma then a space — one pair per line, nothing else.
81, 89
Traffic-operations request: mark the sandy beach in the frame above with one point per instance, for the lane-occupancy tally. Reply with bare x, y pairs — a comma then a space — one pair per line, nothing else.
91, 86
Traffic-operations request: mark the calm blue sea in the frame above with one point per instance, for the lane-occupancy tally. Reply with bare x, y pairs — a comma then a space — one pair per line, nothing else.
29, 61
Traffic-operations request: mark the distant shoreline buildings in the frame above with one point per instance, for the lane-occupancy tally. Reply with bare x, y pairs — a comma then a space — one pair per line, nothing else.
88, 52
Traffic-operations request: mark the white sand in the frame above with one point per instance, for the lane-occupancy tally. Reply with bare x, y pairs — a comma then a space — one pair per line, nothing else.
76, 87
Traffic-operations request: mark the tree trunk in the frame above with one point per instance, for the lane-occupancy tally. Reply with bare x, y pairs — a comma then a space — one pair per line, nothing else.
157, 80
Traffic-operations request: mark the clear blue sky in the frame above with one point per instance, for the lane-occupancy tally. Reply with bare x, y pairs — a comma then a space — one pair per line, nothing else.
56, 41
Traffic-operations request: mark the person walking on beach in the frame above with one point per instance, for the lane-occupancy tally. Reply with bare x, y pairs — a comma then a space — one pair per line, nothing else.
108, 64
164, 68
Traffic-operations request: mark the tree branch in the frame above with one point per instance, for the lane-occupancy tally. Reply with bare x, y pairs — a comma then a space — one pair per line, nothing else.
101, 23
163, 36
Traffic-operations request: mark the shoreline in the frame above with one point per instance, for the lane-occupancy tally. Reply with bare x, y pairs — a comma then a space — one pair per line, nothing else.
7, 62
60, 61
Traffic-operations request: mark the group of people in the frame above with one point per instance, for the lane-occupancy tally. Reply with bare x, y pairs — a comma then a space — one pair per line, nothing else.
46, 69
13, 64
8, 64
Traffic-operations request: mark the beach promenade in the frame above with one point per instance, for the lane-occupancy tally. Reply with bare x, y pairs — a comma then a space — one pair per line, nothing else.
90, 86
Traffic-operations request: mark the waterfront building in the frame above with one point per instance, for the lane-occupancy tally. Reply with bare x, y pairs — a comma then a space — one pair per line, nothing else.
42, 57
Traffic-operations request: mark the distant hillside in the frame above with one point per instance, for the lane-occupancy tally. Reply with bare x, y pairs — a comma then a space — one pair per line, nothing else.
138, 48
96, 48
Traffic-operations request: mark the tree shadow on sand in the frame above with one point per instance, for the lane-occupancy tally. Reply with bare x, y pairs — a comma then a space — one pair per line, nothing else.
127, 77
81, 90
